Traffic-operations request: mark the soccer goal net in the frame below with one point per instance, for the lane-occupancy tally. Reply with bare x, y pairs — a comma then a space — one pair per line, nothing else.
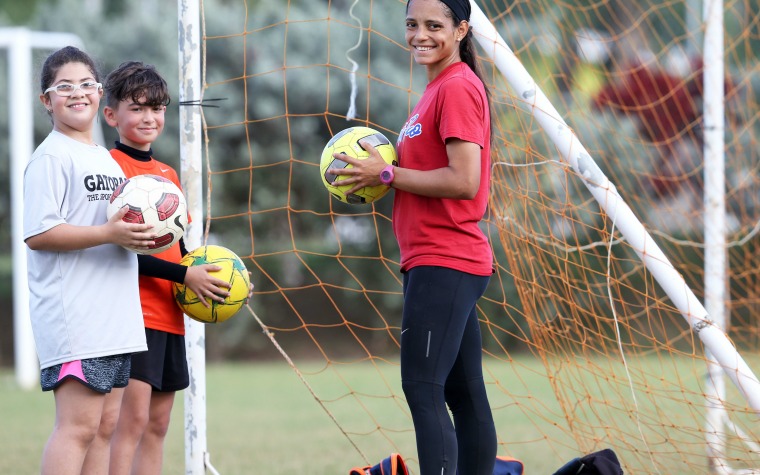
623, 310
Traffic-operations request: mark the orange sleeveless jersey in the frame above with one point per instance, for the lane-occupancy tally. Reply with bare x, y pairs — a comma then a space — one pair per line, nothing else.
160, 311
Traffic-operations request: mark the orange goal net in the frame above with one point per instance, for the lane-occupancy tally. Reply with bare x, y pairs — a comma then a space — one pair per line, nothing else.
584, 345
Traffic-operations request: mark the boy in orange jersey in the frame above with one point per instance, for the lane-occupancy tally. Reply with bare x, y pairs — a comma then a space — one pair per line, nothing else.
136, 100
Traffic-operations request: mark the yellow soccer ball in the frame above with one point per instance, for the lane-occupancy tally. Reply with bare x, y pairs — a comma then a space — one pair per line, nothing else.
233, 271
347, 142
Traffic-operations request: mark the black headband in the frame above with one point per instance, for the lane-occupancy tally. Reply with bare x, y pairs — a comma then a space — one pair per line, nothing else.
460, 8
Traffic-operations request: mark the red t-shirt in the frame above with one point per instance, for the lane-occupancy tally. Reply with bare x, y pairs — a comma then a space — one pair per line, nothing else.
160, 311
440, 231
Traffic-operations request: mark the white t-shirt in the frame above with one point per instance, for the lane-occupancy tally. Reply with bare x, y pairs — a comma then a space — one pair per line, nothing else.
85, 303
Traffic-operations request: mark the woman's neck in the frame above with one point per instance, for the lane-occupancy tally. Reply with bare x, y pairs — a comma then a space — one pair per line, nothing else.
433, 71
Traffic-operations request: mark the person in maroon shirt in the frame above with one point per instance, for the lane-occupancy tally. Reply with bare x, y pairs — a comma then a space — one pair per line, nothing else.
667, 109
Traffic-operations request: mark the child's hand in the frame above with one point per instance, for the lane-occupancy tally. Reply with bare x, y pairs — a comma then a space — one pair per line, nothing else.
206, 286
129, 235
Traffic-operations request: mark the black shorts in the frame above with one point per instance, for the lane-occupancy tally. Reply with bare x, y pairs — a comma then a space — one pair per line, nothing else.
164, 365
99, 374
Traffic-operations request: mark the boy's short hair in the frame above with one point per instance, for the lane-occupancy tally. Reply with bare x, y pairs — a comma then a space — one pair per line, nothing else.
135, 80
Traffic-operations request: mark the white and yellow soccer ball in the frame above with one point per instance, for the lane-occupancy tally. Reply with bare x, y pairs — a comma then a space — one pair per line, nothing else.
155, 200
347, 142
233, 271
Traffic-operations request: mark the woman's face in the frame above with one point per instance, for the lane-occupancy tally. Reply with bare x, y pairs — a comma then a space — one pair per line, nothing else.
431, 35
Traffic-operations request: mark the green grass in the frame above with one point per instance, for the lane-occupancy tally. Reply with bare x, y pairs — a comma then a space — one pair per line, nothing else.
263, 419
260, 419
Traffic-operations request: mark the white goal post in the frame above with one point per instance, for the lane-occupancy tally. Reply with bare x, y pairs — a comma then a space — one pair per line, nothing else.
197, 457
20, 43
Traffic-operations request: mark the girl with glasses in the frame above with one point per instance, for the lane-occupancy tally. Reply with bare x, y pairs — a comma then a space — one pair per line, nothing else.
84, 300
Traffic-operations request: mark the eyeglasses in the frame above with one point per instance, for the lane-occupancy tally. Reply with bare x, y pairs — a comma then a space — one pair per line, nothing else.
65, 89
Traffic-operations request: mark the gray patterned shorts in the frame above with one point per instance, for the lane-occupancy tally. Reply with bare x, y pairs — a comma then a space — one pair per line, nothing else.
99, 374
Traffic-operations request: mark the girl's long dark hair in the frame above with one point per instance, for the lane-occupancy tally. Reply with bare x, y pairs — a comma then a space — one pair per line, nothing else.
470, 57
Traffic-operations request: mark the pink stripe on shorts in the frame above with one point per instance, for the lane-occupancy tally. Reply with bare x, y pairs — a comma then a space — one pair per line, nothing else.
72, 368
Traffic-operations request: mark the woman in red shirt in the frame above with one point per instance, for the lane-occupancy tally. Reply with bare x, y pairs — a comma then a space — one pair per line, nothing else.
442, 185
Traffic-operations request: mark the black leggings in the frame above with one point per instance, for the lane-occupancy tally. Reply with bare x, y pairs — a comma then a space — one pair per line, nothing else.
441, 364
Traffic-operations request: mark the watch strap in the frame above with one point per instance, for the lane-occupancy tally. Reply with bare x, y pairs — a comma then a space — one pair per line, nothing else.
387, 175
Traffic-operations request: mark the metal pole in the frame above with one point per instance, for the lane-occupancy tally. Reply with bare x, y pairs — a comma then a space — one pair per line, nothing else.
714, 219
192, 184
21, 130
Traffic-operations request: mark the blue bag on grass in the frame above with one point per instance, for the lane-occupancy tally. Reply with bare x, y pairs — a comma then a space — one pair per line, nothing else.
507, 466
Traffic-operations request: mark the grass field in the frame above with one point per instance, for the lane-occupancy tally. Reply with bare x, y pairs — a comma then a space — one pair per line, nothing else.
263, 420
260, 420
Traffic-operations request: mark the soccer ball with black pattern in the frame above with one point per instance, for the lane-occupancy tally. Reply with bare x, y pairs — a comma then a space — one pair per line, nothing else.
347, 142
232, 271
155, 200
